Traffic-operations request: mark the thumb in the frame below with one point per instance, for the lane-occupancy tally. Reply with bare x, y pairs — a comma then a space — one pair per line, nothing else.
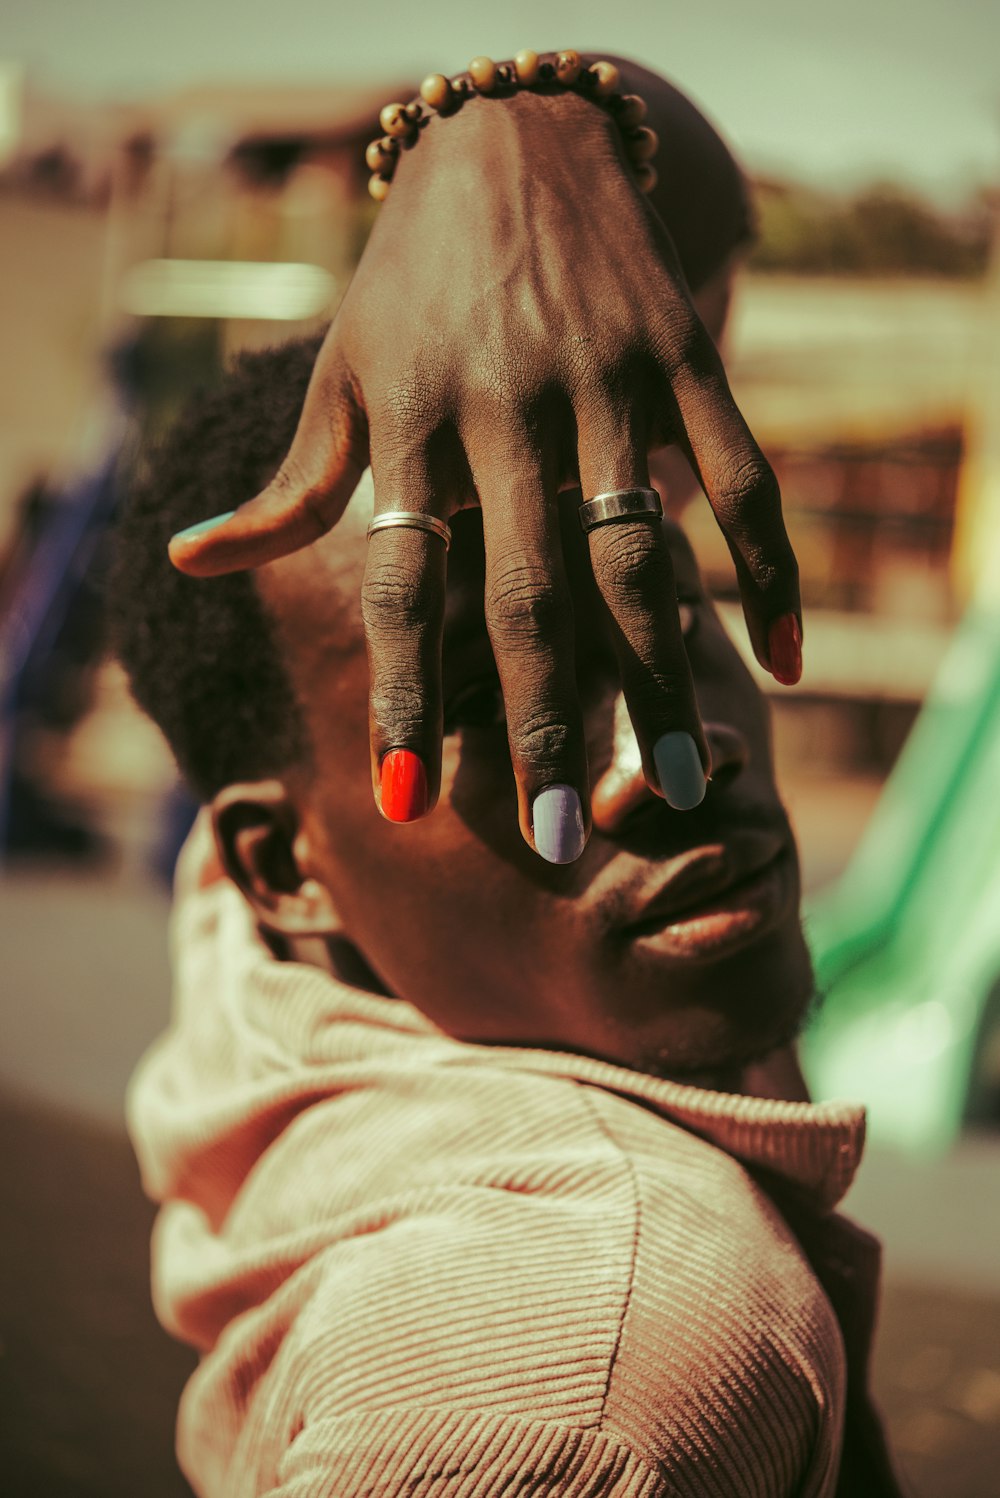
307, 495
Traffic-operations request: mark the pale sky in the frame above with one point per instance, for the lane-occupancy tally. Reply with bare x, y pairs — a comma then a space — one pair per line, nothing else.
837, 95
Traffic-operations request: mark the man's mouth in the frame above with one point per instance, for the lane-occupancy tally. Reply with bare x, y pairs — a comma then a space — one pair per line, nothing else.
715, 898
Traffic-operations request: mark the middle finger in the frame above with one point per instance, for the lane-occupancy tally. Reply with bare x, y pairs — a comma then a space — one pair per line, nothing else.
529, 615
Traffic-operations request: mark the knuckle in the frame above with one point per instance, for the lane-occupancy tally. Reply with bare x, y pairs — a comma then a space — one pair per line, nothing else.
407, 398
542, 741
659, 684
775, 578
523, 604
317, 507
748, 490
631, 562
402, 417
397, 708
503, 422
599, 365
500, 393
686, 348
660, 695
290, 479
300, 495
395, 599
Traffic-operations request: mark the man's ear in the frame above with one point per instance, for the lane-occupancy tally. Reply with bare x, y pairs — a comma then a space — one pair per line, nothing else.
266, 854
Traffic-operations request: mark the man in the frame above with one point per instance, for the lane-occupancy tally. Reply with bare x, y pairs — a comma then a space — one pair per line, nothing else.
496, 1192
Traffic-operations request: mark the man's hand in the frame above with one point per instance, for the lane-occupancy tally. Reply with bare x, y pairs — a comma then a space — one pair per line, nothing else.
519, 324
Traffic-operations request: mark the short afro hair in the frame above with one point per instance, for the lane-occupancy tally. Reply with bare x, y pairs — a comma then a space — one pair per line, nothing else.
201, 655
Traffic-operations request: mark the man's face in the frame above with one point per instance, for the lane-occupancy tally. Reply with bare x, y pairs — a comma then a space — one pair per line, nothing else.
671, 946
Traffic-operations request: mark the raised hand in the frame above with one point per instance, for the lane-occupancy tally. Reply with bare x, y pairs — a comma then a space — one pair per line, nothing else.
519, 324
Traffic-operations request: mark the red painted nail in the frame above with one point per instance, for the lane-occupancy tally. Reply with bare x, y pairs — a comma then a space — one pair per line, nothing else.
404, 786
784, 645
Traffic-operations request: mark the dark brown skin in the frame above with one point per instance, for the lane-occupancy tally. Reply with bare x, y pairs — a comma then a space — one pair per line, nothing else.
454, 913
519, 323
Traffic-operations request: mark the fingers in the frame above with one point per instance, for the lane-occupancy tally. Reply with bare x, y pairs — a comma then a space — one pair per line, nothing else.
743, 492
634, 573
402, 604
529, 616
305, 498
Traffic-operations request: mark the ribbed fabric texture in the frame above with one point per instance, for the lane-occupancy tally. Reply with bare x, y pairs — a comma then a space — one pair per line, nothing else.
418, 1266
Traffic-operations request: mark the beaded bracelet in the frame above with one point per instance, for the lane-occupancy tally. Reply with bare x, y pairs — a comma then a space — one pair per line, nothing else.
440, 95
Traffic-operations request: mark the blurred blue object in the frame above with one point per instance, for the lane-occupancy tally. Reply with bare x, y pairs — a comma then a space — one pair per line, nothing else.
907, 944
47, 584
177, 813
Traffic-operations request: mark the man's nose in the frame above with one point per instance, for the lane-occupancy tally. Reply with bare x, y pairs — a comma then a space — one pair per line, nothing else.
621, 791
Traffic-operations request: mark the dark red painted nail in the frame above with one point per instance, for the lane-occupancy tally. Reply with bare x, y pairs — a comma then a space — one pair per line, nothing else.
404, 786
784, 645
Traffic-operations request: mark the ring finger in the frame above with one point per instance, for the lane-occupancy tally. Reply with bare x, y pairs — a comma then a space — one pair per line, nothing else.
529, 615
634, 573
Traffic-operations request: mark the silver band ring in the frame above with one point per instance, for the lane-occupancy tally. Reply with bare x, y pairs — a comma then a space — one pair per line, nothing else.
412, 518
620, 504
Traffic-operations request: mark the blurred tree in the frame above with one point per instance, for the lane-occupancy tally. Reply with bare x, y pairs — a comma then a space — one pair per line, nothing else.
882, 230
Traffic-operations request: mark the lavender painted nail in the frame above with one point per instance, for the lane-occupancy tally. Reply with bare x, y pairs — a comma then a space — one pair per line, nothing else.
557, 820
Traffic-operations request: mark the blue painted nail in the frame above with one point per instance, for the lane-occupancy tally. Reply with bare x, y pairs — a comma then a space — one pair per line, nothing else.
202, 527
557, 822
679, 771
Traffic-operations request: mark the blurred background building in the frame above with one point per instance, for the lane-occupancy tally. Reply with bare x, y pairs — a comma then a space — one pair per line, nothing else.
157, 213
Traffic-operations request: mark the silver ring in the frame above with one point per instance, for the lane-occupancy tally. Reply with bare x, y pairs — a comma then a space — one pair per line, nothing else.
412, 518
620, 504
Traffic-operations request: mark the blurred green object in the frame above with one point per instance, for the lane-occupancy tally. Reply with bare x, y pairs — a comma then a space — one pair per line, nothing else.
907, 943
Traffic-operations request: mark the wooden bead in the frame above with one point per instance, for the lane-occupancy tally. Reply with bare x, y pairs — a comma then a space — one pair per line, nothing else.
642, 144
379, 188
568, 67
394, 121
381, 155
631, 112
483, 72
645, 176
436, 92
607, 79
414, 112
527, 65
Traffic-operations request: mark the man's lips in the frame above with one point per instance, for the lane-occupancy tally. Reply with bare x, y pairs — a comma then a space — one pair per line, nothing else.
694, 880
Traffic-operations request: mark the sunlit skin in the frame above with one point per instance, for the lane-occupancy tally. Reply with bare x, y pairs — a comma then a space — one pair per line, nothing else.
456, 913
521, 320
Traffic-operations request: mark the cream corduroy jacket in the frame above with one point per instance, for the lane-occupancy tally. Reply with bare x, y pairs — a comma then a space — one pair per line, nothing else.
418, 1266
